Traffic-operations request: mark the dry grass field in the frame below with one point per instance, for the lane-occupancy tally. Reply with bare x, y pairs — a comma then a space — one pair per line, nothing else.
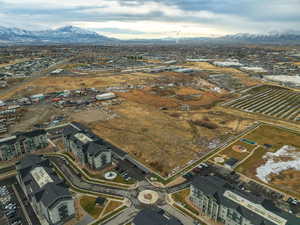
52, 84
166, 139
164, 126
287, 179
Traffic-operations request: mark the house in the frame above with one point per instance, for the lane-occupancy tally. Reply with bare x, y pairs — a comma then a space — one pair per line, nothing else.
231, 163
222, 203
88, 149
22, 143
47, 193
154, 216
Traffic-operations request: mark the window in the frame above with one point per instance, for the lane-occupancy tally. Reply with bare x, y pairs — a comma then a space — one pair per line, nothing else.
63, 211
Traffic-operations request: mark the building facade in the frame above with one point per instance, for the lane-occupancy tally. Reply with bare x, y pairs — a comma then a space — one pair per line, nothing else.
46, 192
222, 203
88, 149
22, 143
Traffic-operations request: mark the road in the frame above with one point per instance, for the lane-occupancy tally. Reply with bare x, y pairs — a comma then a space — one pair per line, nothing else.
79, 182
123, 218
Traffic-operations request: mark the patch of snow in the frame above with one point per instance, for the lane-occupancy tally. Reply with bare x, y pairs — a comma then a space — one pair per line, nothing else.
273, 165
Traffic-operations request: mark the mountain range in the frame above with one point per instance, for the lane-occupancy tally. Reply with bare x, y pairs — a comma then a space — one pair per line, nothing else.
76, 35
63, 35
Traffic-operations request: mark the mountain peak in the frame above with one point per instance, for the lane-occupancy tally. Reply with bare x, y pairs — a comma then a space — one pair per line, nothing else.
66, 34
74, 29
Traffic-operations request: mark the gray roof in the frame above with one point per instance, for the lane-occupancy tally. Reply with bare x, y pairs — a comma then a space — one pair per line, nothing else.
231, 161
215, 187
21, 135
50, 192
154, 216
99, 144
95, 149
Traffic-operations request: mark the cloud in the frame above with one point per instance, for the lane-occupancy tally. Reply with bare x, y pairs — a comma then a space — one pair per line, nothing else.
136, 18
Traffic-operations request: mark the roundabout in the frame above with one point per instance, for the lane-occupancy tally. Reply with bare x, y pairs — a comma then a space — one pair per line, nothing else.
148, 197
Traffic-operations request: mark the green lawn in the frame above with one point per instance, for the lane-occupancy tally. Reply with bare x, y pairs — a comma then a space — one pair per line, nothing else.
89, 205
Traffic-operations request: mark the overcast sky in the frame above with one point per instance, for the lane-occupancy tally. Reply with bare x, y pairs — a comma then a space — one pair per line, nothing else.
152, 18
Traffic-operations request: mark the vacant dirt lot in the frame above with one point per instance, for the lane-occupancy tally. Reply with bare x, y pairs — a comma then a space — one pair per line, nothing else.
165, 139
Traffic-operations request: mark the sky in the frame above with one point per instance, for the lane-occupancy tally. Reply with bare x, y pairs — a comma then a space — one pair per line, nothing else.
130, 19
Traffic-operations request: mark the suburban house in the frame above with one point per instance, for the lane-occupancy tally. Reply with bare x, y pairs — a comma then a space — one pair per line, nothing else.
222, 203
22, 143
47, 193
154, 216
88, 149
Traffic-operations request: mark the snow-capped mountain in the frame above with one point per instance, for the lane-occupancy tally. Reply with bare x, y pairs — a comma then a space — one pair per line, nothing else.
64, 35
270, 37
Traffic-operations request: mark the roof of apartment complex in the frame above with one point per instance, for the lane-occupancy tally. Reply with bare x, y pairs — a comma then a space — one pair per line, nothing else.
258, 210
154, 216
20, 135
90, 142
38, 176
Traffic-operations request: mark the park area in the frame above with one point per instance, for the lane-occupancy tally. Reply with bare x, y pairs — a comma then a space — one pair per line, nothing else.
268, 154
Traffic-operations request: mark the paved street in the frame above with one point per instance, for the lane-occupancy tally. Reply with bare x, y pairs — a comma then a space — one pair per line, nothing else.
129, 213
184, 219
123, 218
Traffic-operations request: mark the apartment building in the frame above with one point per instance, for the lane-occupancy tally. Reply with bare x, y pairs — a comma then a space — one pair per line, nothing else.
47, 193
22, 143
88, 149
223, 203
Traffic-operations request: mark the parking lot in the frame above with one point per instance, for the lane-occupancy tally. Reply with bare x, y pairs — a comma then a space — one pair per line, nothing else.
11, 212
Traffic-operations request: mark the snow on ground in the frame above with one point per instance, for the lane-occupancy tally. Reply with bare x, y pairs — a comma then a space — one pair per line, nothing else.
275, 166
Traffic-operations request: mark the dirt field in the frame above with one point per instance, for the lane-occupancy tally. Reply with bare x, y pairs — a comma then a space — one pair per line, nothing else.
88, 116
52, 84
164, 126
165, 139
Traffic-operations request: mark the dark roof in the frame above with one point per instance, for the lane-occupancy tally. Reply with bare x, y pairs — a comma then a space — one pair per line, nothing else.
21, 135
34, 133
153, 216
231, 161
74, 128
215, 187
100, 200
95, 149
52, 192
30, 161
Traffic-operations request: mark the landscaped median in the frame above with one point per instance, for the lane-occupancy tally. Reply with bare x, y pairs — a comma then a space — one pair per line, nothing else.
109, 215
113, 206
95, 178
100, 212
89, 205
79, 190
